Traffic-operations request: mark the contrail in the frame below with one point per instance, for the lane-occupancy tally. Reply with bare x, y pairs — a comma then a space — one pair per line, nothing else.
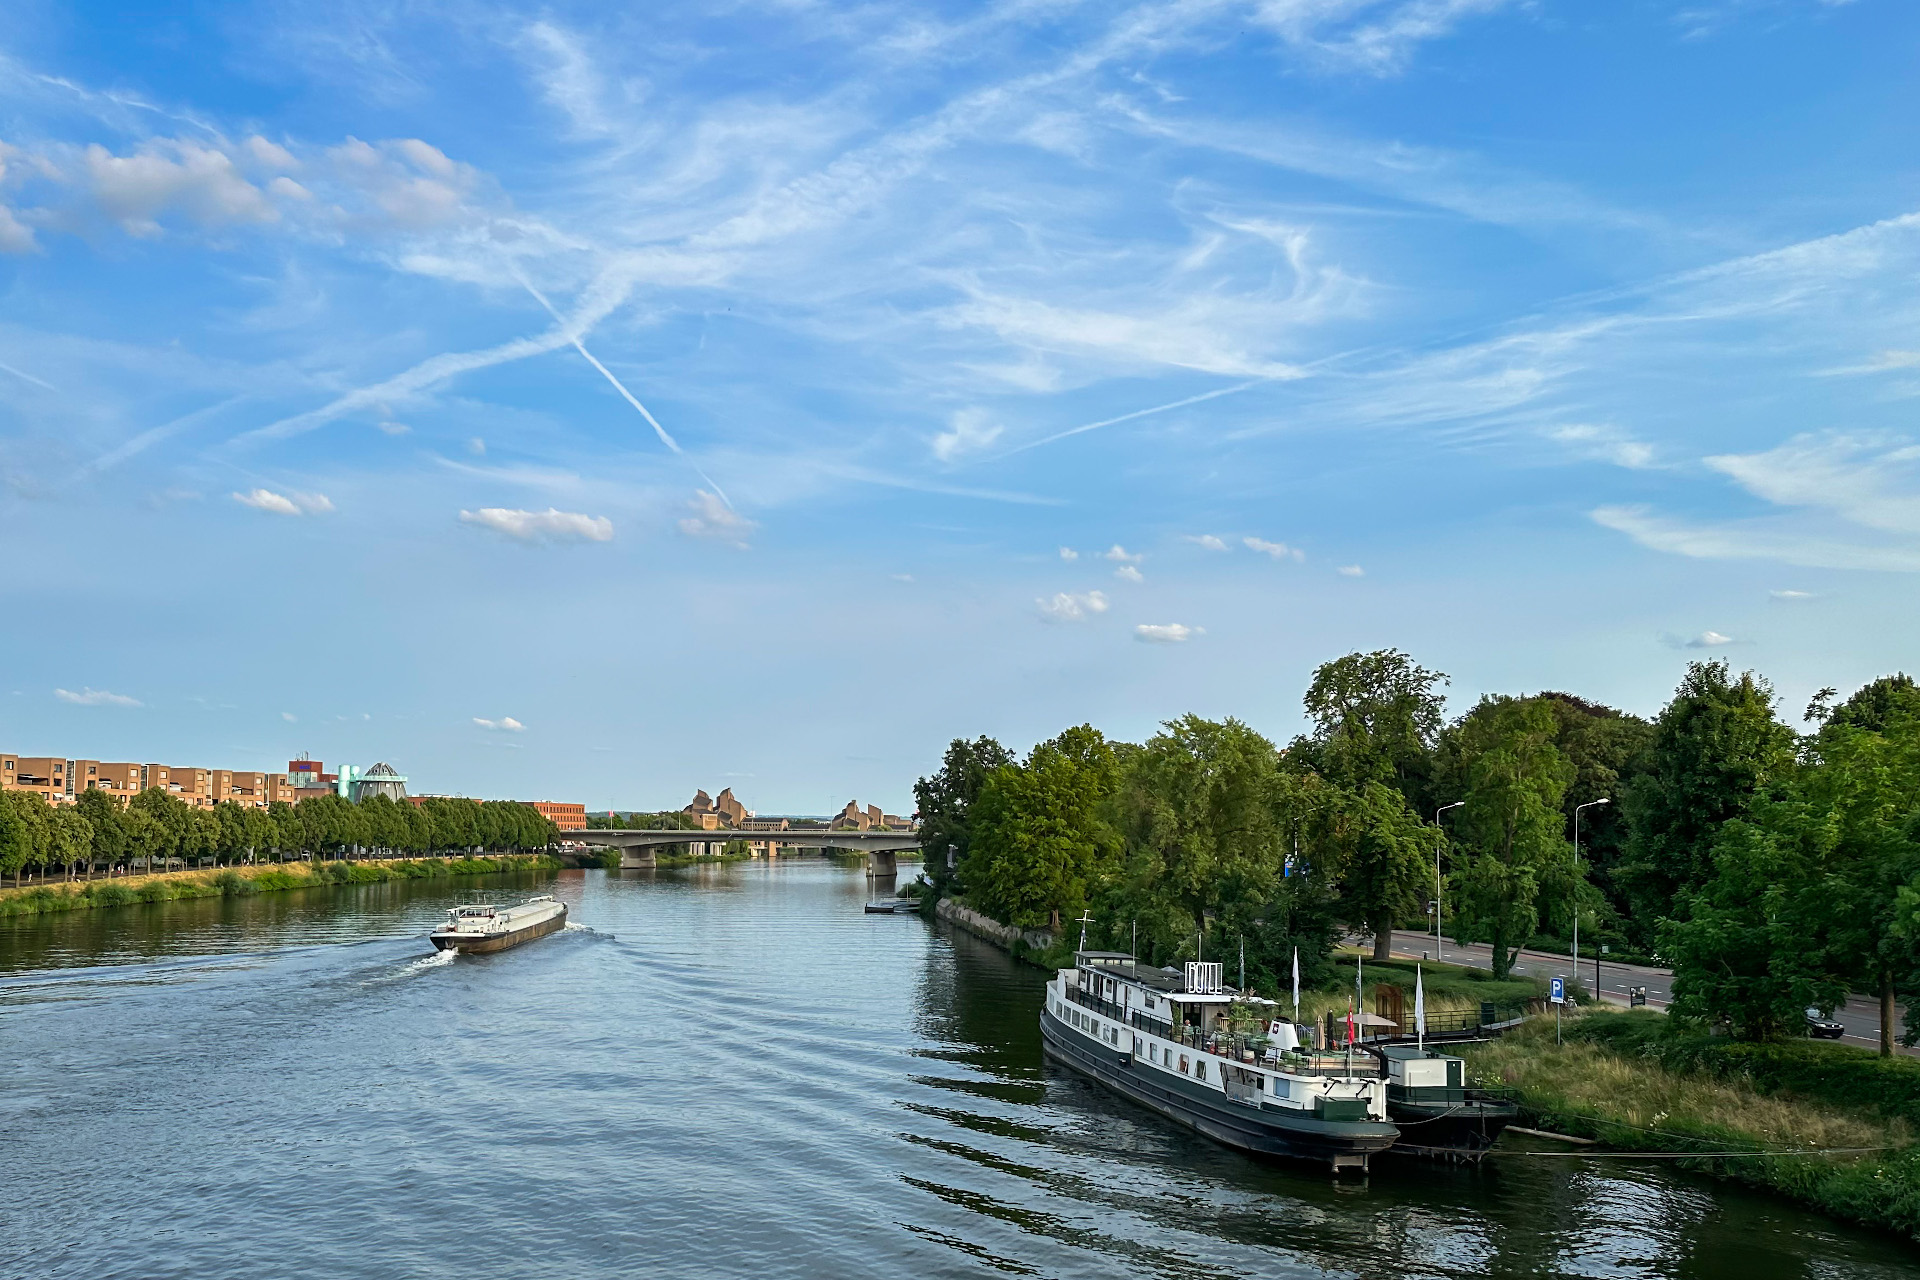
630, 398
28, 377
1137, 413
153, 435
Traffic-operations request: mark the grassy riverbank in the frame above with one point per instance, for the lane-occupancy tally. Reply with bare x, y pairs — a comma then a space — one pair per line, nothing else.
1626, 1081
232, 882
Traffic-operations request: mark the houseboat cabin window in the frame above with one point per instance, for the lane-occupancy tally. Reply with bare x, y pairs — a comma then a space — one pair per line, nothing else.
1200, 1069
1183, 1063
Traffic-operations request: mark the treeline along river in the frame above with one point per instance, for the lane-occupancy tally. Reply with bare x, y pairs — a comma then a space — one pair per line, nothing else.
722, 1071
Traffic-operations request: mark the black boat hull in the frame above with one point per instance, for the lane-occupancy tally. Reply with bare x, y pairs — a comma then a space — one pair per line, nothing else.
1449, 1130
1340, 1144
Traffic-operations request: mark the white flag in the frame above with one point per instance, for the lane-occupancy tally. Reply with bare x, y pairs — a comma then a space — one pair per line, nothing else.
1296, 984
1419, 1007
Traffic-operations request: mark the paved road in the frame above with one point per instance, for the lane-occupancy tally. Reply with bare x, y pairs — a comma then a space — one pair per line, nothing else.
1861, 1016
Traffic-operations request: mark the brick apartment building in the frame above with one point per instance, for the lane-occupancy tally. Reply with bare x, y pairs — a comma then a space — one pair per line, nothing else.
567, 817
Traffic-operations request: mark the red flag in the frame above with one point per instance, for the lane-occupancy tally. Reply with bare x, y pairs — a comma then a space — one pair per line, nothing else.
1350, 1036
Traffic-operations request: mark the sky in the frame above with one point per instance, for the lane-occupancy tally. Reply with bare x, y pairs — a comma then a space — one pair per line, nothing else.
593, 403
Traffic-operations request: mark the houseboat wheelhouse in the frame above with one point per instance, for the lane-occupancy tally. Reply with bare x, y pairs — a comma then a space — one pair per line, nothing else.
1216, 1060
1440, 1115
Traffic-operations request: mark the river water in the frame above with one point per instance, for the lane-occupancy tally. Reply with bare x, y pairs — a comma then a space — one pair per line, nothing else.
719, 1071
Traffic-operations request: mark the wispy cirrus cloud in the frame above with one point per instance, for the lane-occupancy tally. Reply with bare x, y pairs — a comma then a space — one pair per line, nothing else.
505, 724
1165, 632
709, 517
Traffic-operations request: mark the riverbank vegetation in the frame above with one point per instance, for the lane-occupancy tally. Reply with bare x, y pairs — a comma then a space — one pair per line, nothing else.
1627, 1082
240, 881
156, 829
1774, 870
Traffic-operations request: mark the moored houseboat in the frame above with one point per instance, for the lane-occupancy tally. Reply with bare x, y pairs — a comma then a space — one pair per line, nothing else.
1216, 1060
479, 928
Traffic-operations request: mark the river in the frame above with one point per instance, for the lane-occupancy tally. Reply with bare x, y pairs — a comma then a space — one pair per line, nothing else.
718, 1071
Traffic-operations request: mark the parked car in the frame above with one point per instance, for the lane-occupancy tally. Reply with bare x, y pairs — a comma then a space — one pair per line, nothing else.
1821, 1027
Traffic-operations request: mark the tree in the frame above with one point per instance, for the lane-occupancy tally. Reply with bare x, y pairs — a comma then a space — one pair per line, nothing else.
107, 820
1040, 838
1375, 718
1741, 957
1604, 746
946, 799
1383, 860
1201, 817
1511, 824
70, 838
1714, 748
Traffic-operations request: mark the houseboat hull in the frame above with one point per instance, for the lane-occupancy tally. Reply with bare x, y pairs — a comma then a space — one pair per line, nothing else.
1262, 1131
1439, 1130
486, 944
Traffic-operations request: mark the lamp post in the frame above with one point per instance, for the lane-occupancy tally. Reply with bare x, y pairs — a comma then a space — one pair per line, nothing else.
1576, 897
1438, 951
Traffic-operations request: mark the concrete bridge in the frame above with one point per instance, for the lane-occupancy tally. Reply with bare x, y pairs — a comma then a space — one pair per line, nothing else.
637, 847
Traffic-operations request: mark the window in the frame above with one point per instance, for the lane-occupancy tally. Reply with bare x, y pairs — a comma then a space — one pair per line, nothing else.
1183, 1063
1200, 1069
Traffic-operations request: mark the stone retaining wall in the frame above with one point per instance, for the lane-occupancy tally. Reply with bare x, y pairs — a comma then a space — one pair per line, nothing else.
992, 930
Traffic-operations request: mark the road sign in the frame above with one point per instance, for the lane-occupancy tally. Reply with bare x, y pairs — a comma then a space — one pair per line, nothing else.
1558, 991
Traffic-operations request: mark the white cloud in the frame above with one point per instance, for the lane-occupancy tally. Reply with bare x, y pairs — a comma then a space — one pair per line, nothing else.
1751, 540
15, 236
95, 698
1850, 500
289, 717
1278, 550
1068, 553
970, 431
1870, 479
1127, 573
1069, 607
1709, 640
1607, 445
393, 428
712, 518
901, 577
542, 526
1208, 541
505, 724
1351, 571
134, 190
285, 504
1165, 633
477, 447
1792, 595
1120, 553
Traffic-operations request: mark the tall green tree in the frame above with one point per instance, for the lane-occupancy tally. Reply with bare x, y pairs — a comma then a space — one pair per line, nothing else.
1040, 835
107, 821
945, 802
1511, 824
1376, 717
1384, 860
1715, 746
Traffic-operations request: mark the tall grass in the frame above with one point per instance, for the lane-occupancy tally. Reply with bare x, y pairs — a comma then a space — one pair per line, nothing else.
1633, 1103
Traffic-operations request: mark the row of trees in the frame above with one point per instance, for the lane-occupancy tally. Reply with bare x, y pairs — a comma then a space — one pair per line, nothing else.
156, 826
1774, 869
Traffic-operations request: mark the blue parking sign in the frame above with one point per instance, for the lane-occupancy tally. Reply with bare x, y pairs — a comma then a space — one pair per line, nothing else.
1558, 991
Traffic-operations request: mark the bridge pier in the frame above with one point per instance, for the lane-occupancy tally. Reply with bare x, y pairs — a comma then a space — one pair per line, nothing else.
637, 858
882, 864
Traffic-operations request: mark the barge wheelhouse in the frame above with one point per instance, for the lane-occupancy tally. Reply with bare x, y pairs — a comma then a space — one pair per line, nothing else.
1216, 1060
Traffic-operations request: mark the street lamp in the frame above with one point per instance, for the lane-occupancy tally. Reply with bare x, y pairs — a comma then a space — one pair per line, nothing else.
1438, 952
1576, 898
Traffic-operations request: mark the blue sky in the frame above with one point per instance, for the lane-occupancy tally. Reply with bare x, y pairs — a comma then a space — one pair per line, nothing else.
574, 404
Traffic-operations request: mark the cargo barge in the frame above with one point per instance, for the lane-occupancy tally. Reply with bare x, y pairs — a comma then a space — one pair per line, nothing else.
483, 927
